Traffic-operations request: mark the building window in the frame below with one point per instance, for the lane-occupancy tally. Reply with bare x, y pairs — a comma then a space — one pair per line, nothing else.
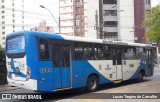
110, 13
109, 1
22, 27
148, 2
3, 32
3, 38
77, 2
77, 9
3, 11
2, 6
3, 27
110, 35
3, 17
77, 16
22, 6
4, 43
110, 24
3, 22
13, 21
13, 9
78, 29
2, 1
77, 23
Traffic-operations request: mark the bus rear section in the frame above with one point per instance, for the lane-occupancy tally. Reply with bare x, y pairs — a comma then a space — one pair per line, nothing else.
54, 65
18, 73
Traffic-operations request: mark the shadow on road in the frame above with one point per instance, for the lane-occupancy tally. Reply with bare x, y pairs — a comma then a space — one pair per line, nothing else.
79, 93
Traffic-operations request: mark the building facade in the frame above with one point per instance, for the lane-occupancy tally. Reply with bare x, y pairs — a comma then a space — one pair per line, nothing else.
72, 17
104, 19
43, 28
11, 18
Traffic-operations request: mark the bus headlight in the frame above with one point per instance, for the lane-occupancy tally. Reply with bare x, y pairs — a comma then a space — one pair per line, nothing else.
28, 73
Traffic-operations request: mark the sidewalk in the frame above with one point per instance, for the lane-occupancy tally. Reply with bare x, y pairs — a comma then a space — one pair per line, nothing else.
7, 88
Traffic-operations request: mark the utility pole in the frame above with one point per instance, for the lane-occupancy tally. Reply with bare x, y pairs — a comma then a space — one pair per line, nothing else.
53, 17
96, 20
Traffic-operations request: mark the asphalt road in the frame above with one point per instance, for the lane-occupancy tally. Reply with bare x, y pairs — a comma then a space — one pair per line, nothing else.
149, 85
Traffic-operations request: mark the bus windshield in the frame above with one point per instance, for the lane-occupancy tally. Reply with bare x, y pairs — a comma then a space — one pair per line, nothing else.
15, 44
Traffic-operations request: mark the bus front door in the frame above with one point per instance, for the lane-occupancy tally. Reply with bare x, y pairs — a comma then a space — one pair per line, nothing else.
61, 66
149, 62
117, 63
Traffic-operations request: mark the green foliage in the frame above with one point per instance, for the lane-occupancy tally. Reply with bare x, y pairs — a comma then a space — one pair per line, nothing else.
3, 70
152, 24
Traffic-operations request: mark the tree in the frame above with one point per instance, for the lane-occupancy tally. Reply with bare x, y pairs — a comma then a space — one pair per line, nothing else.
3, 70
152, 24
2, 56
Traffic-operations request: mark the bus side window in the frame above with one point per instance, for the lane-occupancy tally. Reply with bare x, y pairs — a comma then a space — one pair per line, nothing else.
83, 51
130, 53
56, 55
65, 56
78, 51
43, 49
107, 52
140, 52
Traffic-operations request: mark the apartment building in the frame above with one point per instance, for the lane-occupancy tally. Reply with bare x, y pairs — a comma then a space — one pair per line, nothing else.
104, 19
11, 18
43, 27
72, 17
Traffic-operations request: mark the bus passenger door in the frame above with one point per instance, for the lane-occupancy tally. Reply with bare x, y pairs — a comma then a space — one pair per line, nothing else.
149, 62
61, 66
117, 63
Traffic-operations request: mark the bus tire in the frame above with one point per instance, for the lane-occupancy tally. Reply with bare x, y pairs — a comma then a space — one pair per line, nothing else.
92, 83
140, 76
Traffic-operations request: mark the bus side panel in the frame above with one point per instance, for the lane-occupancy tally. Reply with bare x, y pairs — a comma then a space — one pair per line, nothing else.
32, 56
130, 67
142, 66
45, 76
80, 72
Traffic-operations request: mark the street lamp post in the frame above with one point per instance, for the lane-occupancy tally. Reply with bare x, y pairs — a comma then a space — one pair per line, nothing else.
53, 17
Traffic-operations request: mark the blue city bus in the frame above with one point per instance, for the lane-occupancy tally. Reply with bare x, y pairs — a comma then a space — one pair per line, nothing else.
48, 62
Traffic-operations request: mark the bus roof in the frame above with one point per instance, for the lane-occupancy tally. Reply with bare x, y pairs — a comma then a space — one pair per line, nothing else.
79, 39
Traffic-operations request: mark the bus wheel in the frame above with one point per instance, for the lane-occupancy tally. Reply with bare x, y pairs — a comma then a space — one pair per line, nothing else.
140, 76
92, 83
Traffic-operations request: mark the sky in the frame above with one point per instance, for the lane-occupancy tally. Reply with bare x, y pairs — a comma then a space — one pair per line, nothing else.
155, 2
40, 14
33, 5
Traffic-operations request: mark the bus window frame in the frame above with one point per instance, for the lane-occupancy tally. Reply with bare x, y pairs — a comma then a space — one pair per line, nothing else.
134, 51
49, 50
16, 55
93, 47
